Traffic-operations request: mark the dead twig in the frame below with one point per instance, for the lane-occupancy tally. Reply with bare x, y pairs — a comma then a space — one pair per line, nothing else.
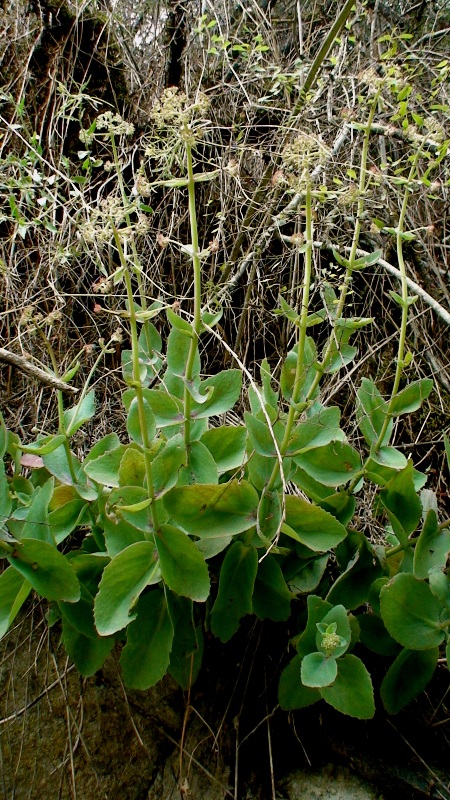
36, 372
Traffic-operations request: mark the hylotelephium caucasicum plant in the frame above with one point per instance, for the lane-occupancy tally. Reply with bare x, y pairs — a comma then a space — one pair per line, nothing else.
274, 497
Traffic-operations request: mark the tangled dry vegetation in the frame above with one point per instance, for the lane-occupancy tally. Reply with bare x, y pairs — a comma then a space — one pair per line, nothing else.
65, 63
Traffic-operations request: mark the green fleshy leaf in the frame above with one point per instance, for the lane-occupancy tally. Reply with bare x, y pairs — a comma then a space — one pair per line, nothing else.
333, 465
123, 580
261, 437
311, 525
132, 468
371, 412
304, 575
201, 467
167, 410
352, 691
353, 585
47, 444
226, 387
317, 431
87, 654
134, 423
234, 598
389, 457
400, 498
187, 648
432, 548
213, 511
318, 671
291, 692
411, 397
36, 522
375, 636
411, 613
407, 677
182, 565
65, 519
271, 597
167, 465
270, 514
146, 656
119, 534
14, 590
227, 446
50, 574
82, 412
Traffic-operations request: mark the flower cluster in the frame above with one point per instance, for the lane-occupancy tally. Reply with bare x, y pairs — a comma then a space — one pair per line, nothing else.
174, 108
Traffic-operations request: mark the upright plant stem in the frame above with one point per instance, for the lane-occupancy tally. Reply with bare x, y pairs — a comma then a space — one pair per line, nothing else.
405, 306
346, 283
196, 266
302, 328
137, 386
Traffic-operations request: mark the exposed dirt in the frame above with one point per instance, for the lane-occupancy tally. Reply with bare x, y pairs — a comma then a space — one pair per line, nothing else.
67, 738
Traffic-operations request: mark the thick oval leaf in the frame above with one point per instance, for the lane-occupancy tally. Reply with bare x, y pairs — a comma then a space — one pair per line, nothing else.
234, 599
432, 548
316, 431
167, 464
167, 410
333, 465
318, 671
261, 437
188, 643
36, 522
87, 654
371, 412
399, 497
374, 635
76, 416
119, 534
389, 457
363, 567
201, 467
271, 597
125, 577
270, 514
227, 389
14, 590
314, 527
304, 575
132, 467
227, 446
352, 691
291, 692
411, 613
213, 511
407, 677
183, 567
135, 423
105, 468
146, 656
50, 574
411, 397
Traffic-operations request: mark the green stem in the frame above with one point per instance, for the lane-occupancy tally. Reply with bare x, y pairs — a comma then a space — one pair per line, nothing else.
196, 266
302, 329
136, 265
346, 283
60, 402
137, 386
405, 307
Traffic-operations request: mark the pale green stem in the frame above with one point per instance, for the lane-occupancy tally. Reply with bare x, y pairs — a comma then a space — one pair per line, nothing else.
137, 267
196, 265
346, 283
302, 329
405, 308
137, 386
60, 402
